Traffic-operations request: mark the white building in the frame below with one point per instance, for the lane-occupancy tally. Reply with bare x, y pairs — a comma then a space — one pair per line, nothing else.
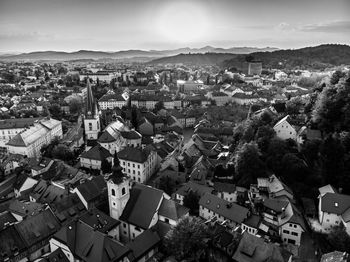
333, 209
139, 164
284, 130
30, 141
112, 100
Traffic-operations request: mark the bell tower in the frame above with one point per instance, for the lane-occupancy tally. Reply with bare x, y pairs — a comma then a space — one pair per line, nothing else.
92, 123
118, 190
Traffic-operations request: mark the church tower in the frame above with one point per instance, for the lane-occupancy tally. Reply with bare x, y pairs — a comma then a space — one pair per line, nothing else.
118, 190
92, 123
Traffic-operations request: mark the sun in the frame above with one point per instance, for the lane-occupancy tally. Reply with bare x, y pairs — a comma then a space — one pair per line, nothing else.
183, 22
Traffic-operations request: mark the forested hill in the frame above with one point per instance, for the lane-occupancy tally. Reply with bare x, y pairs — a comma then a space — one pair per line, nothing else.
196, 59
317, 57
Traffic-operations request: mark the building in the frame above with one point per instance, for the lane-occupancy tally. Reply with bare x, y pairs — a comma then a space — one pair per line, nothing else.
211, 206
189, 86
285, 130
92, 124
94, 156
30, 141
92, 192
112, 100
333, 209
138, 163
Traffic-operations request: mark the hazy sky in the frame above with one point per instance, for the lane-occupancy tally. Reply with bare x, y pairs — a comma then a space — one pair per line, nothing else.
111, 25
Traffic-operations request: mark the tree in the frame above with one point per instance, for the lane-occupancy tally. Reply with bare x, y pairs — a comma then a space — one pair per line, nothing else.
106, 167
294, 105
55, 111
134, 118
167, 185
263, 137
191, 200
248, 165
336, 77
158, 106
62, 152
75, 106
293, 168
339, 239
188, 239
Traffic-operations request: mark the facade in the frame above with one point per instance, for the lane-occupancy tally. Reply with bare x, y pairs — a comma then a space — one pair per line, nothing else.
284, 130
111, 101
30, 141
189, 86
137, 163
94, 156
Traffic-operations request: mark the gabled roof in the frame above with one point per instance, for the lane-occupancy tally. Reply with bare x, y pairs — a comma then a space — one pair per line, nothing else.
142, 244
93, 188
106, 137
90, 245
224, 187
134, 154
131, 134
96, 153
194, 187
11, 242
27, 209
224, 208
275, 204
55, 256
6, 218
172, 210
252, 221
143, 203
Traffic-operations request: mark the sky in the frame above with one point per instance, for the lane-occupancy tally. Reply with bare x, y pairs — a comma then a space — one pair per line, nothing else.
112, 25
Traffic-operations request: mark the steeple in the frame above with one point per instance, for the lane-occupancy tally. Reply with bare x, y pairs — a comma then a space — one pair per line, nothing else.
90, 101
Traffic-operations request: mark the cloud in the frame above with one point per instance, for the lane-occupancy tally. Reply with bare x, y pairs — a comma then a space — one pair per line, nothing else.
330, 27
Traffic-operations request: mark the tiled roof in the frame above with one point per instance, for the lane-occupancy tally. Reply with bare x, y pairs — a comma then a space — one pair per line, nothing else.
55, 256
142, 244
6, 218
142, 205
90, 245
99, 220
252, 221
134, 154
131, 134
275, 204
17, 123
93, 188
192, 186
224, 208
224, 187
172, 210
96, 153
106, 137
26, 208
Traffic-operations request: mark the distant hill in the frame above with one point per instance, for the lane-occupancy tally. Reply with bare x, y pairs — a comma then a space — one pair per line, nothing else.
135, 55
195, 59
317, 57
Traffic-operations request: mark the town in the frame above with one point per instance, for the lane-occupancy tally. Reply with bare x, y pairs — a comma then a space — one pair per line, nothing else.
126, 161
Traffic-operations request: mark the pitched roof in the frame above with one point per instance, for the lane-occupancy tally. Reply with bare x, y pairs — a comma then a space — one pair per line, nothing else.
93, 188
99, 220
194, 187
90, 245
11, 242
253, 221
55, 256
224, 187
6, 218
148, 240
134, 154
96, 153
25, 208
142, 205
106, 137
335, 203
224, 208
275, 204
172, 210
131, 134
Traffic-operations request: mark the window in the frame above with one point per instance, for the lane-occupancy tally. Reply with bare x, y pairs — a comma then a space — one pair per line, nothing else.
133, 165
128, 164
113, 192
294, 233
138, 166
285, 231
90, 126
123, 191
124, 225
113, 203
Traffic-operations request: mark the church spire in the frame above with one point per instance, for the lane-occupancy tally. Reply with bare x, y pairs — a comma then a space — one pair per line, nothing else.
90, 103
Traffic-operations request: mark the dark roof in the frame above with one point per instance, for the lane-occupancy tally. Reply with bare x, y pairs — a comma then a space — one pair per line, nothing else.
10, 242
192, 186
224, 208
275, 204
90, 245
55, 256
130, 134
38, 228
17, 140
6, 218
252, 248
17, 123
106, 137
142, 205
99, 220
27, 209
335, 203
252, 221
96, 153
142, 244
172, 210
93, 188
134, 154
224, 187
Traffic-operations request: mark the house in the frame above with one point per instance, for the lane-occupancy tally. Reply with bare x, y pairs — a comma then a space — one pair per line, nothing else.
10, 163
112, 100
212, 206
220, 98
307, 134
23, 184
92, 192
22, 210
273, 187
145, 127
333, 209
252, 224
28, 239
81, 242
94, 156
56, 256
191, 186
138, 163
285, 130
252, 248
140, 207
30, 141
226, 191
